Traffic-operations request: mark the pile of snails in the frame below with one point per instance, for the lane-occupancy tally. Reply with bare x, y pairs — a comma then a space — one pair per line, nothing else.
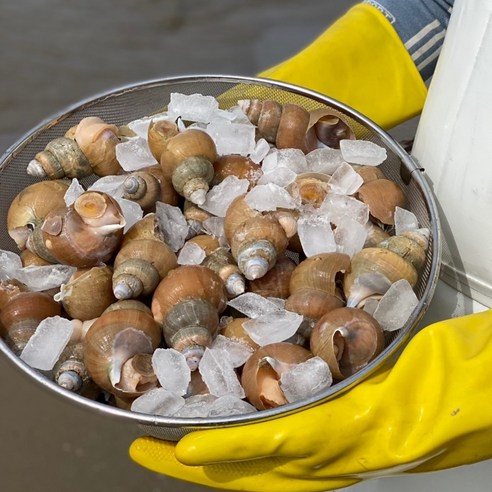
129, 295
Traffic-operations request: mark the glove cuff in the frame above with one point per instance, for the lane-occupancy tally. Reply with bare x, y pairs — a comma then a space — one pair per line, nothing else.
361, 61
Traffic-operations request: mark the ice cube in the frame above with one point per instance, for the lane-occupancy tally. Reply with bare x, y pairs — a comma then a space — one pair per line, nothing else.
305, 379
273, 327
44, 277
219, 198
158, 401
396, 306
237, 351
252, 305
73, 192
281, 176
230, 405
134, 154
345, 180
196, 406
324, 160
132, 212
191, 254
270, 197
9, 263
193, 107
270, 162
111, 185
316, 234
171, 223
362, 152
47, 343
219, 375
215, 227
405, 221
350, 236
365, 285
294, 159
340, 206
261, 150
232, 138
171, 369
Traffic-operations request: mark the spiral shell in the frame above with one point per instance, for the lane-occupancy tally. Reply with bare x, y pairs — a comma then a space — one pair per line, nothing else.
69, 371
372, 271
112, 341
30, 207
148, 186
88, 292
284, 125
85, 234
259, 378
256, 240
158, 135
98, 141
347, 339
330, 127
187, 304
236, 165
20, 317
382, 196
139, 266
276, 282
221, 262
187, 161
314, 288
62, 157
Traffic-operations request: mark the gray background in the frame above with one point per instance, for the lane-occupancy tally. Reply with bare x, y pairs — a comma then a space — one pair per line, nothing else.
54, 53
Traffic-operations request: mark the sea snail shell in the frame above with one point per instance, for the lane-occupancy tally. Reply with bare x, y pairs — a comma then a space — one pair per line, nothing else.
20, 317
139, 266
98, 141
88, 292
347, 339
85, 234
30, 207
113, 340
187, 304
284, 125
261, 381
187, 161
61, 158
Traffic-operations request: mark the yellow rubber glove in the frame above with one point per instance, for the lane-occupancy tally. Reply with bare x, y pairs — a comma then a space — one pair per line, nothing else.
361, 61
432, 410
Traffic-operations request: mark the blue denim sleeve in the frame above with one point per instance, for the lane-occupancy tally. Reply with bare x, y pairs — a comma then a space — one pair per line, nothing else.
421, 25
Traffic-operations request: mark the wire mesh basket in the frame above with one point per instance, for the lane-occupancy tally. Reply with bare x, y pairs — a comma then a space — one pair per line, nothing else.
131, 102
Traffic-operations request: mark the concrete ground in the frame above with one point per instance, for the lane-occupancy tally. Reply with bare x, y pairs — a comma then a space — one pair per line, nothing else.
56, 53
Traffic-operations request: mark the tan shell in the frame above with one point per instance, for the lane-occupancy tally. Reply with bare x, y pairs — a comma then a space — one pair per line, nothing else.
29, 208
20, 317
158, 135
236, 165
84, 234
144, 228
347, 339
114, 338
311, 188
187, 304
98, 141
375, 235
207, 242
275, 283
382, 196
261, 381
411, 246
284, 125
369, 173
88, 293
233, 329
221, 262
139, 266
62, 157
372, 271
9, 288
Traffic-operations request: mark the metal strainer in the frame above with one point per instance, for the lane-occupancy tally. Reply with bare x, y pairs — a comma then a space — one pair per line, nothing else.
128, 103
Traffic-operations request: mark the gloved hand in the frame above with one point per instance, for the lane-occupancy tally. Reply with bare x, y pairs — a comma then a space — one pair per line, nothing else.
432, 410
361, 61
